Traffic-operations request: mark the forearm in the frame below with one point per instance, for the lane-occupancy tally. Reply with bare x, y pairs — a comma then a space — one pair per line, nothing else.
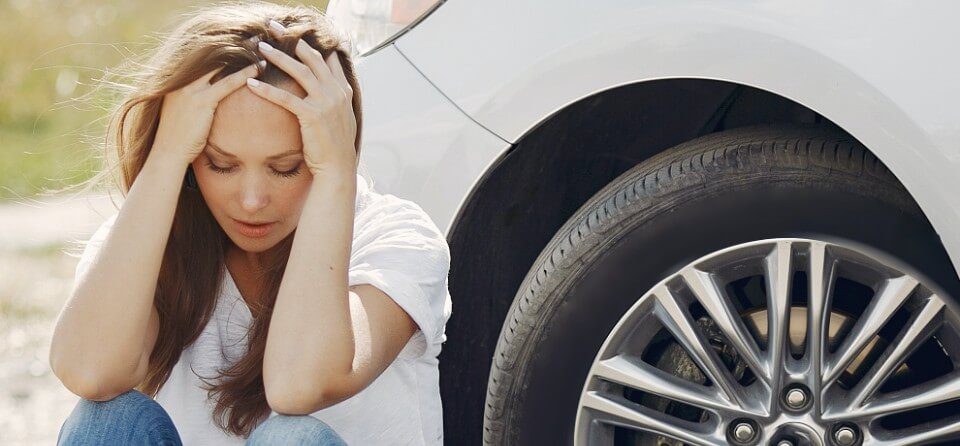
101, 330
311, 337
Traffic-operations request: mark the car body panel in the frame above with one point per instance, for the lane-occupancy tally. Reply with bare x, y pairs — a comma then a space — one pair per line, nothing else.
883, 71
416, 144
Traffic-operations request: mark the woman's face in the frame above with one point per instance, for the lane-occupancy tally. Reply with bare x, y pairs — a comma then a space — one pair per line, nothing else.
252, 169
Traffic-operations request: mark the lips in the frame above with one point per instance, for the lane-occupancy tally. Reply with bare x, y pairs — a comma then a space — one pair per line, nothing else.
255, 230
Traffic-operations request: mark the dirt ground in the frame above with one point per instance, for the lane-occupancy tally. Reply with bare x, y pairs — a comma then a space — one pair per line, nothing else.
36, 276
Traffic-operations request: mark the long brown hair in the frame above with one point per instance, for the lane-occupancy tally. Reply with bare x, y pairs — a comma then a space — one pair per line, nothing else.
193, 265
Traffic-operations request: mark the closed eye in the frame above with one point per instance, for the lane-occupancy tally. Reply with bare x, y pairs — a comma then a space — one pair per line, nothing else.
218, 169
280, 173
287, 173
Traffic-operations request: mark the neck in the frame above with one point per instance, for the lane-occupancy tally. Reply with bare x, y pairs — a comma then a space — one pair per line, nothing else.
249, 261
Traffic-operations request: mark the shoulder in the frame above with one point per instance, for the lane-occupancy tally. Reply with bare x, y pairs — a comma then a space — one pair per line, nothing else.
387, 212
100, 233
387, 222
89, 248
107, 224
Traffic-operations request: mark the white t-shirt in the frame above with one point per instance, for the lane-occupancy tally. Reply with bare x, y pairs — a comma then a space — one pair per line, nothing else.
397, 248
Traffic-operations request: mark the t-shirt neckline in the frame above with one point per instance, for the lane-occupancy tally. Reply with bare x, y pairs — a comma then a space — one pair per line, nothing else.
234, 292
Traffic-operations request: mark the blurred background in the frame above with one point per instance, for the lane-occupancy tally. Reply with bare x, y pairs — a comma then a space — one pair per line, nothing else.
51, 53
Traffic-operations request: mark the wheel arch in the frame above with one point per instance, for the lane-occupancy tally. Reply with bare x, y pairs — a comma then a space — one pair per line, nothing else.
528, 193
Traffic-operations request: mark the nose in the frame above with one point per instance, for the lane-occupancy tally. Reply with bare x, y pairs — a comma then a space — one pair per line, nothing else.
254, 194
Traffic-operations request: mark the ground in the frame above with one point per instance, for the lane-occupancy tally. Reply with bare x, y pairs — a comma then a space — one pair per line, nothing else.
36, 276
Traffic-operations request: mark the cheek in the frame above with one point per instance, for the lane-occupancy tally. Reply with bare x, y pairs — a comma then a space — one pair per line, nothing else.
218, 193
296, 195
212, 186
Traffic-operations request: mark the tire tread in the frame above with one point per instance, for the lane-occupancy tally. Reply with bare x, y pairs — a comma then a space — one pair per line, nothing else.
811, 150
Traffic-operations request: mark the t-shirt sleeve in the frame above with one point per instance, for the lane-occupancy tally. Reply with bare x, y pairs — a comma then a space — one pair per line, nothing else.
398, 249
92, 247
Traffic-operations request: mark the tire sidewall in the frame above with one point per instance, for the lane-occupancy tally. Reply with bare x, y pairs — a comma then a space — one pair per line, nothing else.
687, 217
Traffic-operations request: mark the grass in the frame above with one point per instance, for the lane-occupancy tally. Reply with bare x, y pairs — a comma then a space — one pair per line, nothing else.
51, 53
19, 312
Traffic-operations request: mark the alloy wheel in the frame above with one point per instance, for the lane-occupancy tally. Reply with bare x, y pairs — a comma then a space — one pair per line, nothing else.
785, 342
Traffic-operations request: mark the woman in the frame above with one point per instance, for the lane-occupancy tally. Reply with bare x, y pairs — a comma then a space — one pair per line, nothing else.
252, 288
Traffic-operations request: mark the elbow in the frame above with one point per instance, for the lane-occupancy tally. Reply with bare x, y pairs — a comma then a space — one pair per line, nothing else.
293, 400
89, 383
90, 387
96, 393
298, 397
84, 385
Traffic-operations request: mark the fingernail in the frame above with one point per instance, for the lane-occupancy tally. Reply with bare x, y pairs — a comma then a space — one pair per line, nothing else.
276, 26
263, 64
264, 46
253, 82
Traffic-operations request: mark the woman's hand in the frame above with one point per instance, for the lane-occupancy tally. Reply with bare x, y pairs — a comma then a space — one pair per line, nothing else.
327, 124
187, 114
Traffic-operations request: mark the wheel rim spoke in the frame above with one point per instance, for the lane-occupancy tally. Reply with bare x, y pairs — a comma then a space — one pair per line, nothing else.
679, 323
942, 430
615, 410
708, 293
920, 327
821, 274
939, 390
642, 376
778, 275
893, 293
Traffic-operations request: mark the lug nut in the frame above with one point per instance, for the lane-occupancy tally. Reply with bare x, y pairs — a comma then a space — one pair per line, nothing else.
743, 432
845, 436
785, 443
796, 398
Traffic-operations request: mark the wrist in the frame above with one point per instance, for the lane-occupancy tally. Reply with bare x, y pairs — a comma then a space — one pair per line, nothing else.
334, 180
333, 170
159, 160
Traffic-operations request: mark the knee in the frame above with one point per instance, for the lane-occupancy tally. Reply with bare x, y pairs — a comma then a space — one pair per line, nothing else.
294, 429
131, 398
130, 415
127, 403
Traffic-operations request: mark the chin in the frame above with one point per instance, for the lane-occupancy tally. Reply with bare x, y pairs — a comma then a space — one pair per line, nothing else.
248, 245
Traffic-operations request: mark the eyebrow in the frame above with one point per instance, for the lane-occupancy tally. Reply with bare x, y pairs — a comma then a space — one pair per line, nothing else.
272, 157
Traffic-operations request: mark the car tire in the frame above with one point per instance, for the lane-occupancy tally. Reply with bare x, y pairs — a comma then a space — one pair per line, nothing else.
720, 190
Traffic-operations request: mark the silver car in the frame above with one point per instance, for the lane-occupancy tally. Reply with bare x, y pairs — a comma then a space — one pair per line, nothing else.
681, 222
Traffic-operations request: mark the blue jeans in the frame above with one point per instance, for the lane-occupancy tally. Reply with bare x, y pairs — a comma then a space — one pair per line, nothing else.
133, 418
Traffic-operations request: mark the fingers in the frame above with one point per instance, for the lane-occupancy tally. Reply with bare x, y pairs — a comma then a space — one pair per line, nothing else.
279, 96
298, 71
225, 86
276, 29
313, 59
333, 61
204, 80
